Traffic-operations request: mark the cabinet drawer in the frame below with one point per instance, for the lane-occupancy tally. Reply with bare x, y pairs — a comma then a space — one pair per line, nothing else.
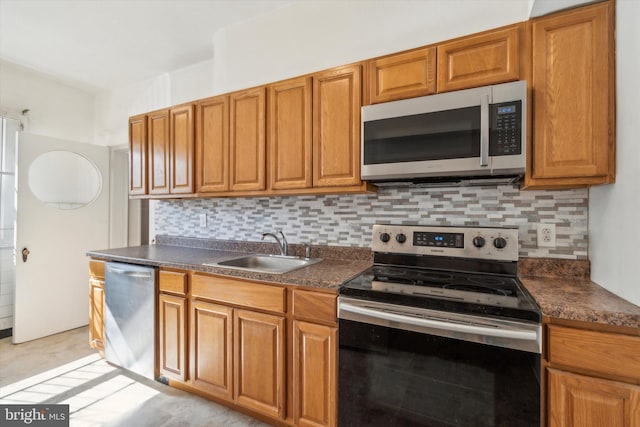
314, 306
602, 352
237, 292
96, 268
174, 282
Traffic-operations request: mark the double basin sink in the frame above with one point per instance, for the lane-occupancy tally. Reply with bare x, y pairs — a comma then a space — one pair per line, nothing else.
272, 264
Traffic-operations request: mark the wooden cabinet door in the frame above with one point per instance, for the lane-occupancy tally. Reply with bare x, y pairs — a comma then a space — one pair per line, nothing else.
572, 80
314, 374
400, 76
212, 145
247, 142
259, 355
172, 336
336, 127
483, 59
581, 401
290, 134
96, 313
138, 155
182, 149
211, 348
159, 152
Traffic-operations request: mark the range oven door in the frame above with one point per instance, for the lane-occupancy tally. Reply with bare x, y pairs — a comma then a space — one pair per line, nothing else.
390, 376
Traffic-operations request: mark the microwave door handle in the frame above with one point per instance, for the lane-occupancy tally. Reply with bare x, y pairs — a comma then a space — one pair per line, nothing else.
484, 130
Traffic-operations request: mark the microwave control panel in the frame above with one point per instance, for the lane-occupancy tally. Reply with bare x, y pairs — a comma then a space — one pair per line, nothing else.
506, 129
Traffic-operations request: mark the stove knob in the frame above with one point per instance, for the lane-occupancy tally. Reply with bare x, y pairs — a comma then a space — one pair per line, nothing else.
384, 237
401, 238
499, 242
478, 241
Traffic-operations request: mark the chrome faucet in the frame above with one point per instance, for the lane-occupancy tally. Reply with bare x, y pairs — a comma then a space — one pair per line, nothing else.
282, 243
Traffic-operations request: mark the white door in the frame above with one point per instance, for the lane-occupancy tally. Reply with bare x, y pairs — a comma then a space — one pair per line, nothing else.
62, 211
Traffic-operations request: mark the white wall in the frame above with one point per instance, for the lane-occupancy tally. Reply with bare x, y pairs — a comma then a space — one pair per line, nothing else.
56, 110
614, 210
297, 39
311, 36
113, 108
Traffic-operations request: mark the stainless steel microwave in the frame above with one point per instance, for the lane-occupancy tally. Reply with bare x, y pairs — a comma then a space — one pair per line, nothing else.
472, 133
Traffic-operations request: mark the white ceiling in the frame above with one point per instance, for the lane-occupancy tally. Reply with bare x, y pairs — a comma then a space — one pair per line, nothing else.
106, 44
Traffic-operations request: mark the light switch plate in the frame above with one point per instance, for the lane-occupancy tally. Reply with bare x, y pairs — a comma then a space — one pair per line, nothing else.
547, 235
203, 220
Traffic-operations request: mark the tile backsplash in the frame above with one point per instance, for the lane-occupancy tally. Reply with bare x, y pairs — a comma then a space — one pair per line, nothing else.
346, 220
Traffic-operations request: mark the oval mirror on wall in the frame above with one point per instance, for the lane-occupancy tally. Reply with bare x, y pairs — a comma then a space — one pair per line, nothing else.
64, 180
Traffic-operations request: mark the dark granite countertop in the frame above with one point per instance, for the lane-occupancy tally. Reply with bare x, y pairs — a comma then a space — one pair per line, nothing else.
338, 265
563, 290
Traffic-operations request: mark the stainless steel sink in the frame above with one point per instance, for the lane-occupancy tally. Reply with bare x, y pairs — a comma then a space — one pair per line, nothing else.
273, 264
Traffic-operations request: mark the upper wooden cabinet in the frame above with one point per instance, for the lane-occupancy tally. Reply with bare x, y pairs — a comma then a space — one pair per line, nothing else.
403, 75
138, 155
573, 92
212, 145
336, 127
181, 149
159, 152
302, 135
247, 142
481, 59
290, 134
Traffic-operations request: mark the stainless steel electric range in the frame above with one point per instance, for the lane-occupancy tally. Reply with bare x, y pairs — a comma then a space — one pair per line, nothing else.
439, 332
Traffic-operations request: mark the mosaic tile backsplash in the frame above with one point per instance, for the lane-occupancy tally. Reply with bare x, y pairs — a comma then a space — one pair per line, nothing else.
346, 220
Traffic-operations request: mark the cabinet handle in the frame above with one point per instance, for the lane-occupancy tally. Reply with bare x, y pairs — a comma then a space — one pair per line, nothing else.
484, 130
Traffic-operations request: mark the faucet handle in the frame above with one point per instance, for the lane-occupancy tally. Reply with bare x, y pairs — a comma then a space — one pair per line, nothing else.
307, 250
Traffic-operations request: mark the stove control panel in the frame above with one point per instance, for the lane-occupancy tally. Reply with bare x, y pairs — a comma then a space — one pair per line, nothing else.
500, 244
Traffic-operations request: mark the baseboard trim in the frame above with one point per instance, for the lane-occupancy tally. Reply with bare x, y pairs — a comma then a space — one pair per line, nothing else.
6, 333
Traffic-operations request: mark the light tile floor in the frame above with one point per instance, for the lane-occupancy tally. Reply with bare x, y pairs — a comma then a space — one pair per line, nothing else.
63, 369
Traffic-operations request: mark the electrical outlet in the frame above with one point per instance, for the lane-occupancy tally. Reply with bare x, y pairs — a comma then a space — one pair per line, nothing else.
203, 220
547, 235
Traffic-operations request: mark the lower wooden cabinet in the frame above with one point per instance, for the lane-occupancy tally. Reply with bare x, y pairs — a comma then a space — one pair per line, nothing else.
593, 378
314, 374
579, 400
96, 305
212, 349
172, 325
259, 355
266, 348
172, 336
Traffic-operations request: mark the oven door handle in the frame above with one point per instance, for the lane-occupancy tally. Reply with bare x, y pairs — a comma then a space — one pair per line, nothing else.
527, 335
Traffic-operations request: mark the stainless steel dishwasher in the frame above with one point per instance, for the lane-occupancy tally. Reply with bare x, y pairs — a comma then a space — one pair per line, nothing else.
130, 313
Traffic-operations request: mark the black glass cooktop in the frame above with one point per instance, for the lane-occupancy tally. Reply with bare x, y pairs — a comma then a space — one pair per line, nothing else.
480, 294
